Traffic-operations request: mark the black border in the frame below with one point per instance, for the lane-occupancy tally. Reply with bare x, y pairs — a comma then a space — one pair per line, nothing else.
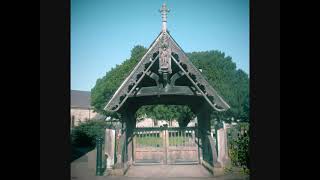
265, 89
55, 89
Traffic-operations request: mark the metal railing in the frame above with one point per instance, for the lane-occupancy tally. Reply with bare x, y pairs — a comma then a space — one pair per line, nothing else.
101, 159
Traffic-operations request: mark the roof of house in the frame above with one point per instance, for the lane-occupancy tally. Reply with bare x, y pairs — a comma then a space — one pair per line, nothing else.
80, 99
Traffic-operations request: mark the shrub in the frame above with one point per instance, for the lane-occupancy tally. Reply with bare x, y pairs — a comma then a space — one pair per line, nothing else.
238, 137
85, 134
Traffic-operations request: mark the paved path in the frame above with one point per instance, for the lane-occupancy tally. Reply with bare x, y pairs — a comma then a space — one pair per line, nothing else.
84, 169
168, 171
226, 177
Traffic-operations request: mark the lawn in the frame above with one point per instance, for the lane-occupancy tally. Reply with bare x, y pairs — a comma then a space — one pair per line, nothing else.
158, 141
149, 141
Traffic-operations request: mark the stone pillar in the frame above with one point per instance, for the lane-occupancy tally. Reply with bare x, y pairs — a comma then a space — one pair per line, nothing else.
119, 167
110, 147
223, 157
119, 146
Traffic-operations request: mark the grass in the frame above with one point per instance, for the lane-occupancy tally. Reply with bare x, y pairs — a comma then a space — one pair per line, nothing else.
158, 141
149, 141
176, 141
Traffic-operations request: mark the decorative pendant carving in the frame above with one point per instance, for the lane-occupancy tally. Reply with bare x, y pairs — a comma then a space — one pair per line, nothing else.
165, 55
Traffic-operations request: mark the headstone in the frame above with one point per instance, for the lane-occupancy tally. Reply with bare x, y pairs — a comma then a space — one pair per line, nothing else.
110, 146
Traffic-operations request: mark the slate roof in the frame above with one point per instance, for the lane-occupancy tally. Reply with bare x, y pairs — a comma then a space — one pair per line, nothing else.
80, 99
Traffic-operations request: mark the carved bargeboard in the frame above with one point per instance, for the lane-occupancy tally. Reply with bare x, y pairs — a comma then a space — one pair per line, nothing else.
168, 53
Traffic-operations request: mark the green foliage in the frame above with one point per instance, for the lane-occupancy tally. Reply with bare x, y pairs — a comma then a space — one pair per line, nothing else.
183, 114
85, 134
219, 70
106, 86
230, 83
238, 139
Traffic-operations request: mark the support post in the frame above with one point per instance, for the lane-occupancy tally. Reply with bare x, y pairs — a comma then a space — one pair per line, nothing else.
208, 147
124, 151
166, 143
131, 124
125, 146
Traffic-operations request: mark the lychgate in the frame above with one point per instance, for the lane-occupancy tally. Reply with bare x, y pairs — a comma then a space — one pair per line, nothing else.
165, 75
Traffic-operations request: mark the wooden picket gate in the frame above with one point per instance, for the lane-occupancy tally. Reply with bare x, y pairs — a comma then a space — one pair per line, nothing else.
155, 145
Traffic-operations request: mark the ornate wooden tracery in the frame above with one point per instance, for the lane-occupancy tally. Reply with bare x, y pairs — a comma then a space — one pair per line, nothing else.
165, 63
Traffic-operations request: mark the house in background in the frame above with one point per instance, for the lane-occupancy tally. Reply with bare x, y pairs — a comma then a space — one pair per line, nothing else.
81, 110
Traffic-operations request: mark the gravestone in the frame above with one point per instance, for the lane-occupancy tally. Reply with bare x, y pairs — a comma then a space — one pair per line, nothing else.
110, 147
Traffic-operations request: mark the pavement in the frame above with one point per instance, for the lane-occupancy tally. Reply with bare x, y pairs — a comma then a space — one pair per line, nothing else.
226, 177
84, 169
168, 171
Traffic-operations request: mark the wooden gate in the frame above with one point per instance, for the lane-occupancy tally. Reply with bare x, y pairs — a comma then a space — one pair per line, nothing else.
165, 146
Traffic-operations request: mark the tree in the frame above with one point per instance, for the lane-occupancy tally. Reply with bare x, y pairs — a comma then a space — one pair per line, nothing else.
219, 70
185, 115
182, 114
106, 86
230, 83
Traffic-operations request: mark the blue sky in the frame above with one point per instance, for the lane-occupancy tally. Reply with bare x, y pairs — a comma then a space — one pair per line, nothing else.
103, 32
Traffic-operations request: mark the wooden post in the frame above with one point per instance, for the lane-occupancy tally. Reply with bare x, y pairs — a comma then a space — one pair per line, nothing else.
207, 144
128, 124
167, 144
124, 153
133, 147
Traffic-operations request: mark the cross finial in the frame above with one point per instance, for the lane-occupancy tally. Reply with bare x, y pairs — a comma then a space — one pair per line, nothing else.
164, 10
